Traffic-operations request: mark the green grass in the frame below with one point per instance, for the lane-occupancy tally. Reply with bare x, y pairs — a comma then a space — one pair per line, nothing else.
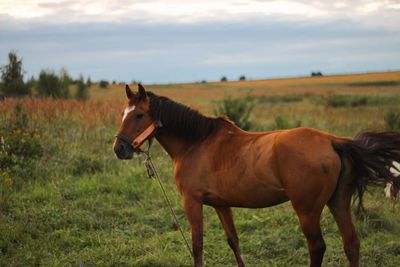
82, 206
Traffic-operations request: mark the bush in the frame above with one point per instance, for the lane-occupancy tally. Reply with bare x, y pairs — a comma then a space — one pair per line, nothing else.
334, 100
392, 120
282, 123
12, 77
82, 92
242, 78
51, 84
224, 79
20, 146
280, 99
236, 109
103, 84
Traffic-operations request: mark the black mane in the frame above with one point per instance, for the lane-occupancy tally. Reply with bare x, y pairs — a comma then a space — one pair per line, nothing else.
180, 120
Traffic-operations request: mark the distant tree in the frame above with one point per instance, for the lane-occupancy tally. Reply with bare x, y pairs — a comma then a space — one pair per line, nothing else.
64, 83
135, 82
203, 81
316, 74
242, 78
224, 79
31, 83
12, 77
82, 92
103, 84
51, 84
89, 82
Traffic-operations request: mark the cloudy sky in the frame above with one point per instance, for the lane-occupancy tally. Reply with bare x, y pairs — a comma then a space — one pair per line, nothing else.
159, 41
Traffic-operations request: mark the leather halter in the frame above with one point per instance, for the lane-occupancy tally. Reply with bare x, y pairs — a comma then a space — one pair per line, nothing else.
138, 141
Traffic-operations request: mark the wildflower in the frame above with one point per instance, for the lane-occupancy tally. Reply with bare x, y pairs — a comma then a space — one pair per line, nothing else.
8, 181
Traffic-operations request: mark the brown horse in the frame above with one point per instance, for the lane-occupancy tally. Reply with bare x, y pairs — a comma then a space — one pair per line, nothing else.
218, 164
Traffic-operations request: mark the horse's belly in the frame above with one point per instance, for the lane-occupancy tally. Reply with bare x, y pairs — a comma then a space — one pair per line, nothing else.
249, 193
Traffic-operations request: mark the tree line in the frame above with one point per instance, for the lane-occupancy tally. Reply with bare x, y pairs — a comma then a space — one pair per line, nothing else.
48, 84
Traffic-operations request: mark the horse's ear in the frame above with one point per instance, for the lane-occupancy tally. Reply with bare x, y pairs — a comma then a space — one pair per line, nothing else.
129, 92
142, 92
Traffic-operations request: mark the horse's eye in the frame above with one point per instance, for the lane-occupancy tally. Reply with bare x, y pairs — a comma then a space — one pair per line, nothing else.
139, 115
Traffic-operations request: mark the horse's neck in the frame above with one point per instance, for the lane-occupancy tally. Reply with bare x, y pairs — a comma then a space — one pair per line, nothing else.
177, 146
172, 144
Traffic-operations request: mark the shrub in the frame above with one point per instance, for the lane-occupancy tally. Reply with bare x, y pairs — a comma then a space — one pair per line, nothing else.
392, 120
51, 84
242, 78
103, 84
282, 123
12, 77
237, 109
224, 79
20, 147
279, 99
334, 100
82, 92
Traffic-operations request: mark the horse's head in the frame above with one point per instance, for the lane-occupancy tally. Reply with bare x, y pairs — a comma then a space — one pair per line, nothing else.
137, 125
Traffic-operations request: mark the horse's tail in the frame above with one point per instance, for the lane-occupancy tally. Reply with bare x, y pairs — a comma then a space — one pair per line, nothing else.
371, 156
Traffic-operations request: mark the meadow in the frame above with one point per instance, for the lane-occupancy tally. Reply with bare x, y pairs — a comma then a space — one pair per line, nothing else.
65, 200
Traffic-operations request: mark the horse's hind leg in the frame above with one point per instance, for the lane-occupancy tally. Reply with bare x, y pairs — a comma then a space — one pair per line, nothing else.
339, 206
226, 218
349, 235
310, 224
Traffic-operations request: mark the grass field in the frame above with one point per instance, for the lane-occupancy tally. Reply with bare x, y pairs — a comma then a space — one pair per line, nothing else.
65, 200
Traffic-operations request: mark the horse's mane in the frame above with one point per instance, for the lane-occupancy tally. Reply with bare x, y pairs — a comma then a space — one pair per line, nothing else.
180, 120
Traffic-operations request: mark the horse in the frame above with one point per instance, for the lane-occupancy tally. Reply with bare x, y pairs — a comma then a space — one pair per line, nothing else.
218, 164
389, 190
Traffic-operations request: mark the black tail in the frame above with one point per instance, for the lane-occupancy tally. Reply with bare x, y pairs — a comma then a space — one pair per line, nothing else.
371, 155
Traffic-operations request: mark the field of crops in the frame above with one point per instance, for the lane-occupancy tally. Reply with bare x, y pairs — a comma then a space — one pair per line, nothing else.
65, 200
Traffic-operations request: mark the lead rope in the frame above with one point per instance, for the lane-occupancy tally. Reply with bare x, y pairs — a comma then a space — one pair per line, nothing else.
152, 172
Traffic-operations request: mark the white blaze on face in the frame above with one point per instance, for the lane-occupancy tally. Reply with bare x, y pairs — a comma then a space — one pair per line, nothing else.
127, 111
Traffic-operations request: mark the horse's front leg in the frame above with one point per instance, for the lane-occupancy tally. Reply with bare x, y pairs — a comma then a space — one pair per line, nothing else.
226, 218
194, 213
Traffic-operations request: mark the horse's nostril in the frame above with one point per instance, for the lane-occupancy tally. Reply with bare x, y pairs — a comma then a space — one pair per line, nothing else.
121, 147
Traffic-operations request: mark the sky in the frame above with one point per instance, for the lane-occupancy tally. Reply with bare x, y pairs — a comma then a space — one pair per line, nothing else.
167, 41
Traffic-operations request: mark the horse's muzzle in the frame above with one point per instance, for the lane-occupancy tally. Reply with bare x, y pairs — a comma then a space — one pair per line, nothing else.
123, 150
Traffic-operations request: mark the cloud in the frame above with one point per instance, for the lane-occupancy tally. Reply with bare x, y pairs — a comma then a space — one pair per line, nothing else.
193, 11
176, 52
172, 40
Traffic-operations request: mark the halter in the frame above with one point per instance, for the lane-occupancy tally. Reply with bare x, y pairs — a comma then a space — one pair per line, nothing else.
135, 143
